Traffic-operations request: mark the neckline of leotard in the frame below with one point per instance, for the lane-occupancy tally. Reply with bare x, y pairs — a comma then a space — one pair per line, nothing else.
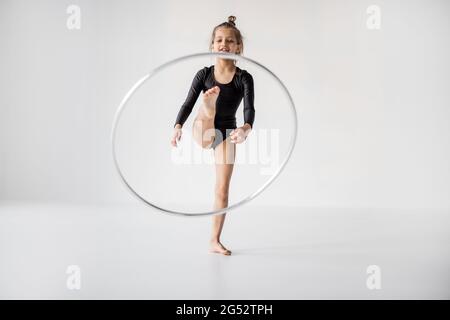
224, 84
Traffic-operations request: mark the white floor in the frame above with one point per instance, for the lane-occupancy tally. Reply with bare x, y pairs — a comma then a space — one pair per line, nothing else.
133, 252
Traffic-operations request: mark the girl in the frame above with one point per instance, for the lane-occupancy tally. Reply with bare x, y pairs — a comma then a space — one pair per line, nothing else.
224, 86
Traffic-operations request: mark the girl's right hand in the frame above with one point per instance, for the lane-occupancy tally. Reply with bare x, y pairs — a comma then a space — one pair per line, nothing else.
176, 135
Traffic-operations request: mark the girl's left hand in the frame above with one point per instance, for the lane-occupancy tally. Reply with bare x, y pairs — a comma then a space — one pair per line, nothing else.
238, 135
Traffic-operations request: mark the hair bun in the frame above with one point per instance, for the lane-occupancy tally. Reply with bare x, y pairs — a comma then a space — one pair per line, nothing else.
232, 19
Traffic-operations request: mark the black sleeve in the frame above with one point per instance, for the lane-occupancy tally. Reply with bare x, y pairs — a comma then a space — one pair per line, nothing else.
194, 92
249, 98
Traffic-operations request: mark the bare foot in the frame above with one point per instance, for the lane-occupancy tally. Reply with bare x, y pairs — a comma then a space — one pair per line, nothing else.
217, 247
209, 101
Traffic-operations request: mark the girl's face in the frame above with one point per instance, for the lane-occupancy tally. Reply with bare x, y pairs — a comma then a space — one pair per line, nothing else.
225, 40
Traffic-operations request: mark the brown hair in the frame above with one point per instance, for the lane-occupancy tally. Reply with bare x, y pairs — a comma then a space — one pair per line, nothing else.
230, 24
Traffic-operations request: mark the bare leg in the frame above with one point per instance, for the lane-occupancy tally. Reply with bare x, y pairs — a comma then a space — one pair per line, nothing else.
203, 129
224, 156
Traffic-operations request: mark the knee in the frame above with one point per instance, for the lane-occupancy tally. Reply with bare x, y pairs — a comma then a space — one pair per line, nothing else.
222, 193
207, 140
208, 137
203, 140
206, 145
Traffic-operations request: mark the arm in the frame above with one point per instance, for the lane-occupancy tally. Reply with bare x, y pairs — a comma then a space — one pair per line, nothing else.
249, 100
194, 92
240, 134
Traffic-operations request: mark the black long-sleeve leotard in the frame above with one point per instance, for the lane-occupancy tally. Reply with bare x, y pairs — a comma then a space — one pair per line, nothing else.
228, 101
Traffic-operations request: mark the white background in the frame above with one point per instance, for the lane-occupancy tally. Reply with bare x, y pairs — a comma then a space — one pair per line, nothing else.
373, 105
371, 164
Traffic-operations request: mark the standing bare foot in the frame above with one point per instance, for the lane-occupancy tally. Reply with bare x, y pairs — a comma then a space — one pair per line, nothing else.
217, 247
209, 101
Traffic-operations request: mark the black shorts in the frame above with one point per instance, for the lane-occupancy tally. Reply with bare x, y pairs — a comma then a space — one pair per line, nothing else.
221, 135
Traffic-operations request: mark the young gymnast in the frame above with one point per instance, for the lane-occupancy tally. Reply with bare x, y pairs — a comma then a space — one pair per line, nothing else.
224, 86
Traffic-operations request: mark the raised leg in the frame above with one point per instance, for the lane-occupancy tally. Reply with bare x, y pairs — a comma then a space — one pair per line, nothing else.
203, 129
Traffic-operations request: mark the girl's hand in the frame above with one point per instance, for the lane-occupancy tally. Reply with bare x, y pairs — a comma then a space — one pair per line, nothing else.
238, 135
176, 135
